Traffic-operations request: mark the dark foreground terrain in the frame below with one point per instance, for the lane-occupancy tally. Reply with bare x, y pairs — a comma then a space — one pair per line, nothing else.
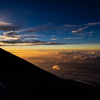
21, 80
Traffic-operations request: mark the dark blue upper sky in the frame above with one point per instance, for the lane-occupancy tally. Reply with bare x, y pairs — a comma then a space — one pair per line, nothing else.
50, 21
56, 11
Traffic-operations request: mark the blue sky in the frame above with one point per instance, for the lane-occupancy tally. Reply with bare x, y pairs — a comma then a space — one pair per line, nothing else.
49, 22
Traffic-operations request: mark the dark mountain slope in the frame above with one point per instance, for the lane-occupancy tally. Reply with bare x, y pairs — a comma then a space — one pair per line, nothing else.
21, 80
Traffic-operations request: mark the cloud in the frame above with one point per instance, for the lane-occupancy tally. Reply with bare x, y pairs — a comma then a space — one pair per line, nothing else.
12, 34
29, 36
4, 38
54, 43
4, 23
71, 25
46, 27
9, 36
9, 28
53, 39
56, 67
32, 38
85, 26
20, 41
92, 24
9, 33
78, 31
15, 38
74, 38
4, 26
51, 26
11, 41
37, 30
90, 35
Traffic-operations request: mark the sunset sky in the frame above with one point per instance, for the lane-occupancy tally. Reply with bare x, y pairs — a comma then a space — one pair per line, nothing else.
50, 24
59, 36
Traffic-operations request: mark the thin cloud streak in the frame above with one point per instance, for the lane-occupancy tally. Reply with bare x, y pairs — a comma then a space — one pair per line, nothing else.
4, 26
80, 30
74, 38
92, 24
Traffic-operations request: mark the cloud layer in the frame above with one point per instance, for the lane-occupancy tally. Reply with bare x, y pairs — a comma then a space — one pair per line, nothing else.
16, 35
4, 26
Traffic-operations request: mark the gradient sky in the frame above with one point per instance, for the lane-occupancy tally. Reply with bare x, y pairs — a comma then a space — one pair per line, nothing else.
50, 23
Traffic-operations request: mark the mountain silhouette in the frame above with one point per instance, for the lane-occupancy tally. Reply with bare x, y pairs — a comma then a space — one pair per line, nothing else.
21, 80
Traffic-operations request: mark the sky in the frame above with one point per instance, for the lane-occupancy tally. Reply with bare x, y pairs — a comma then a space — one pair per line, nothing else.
67, 24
